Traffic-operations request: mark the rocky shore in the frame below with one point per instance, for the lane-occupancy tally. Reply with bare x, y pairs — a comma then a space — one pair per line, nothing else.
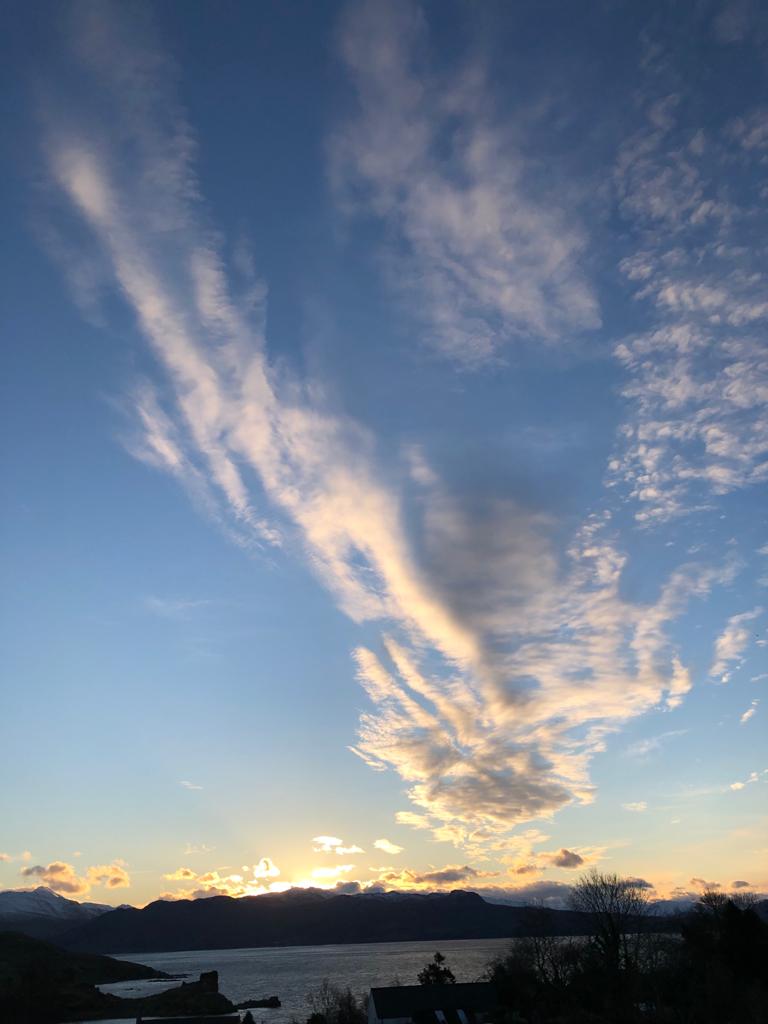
41, 984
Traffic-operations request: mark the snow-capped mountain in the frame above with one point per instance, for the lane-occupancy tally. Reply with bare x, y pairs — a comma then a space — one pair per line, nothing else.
43, 913
46, 903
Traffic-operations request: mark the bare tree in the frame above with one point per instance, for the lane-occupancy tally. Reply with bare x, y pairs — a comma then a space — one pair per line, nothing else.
618, 907
333, 1005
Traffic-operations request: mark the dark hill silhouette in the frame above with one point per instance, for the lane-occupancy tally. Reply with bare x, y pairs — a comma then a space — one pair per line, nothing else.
42, 984
19, 952
307, 918
44, 914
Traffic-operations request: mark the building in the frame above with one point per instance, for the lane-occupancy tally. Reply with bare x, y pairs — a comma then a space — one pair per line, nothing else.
469, 1003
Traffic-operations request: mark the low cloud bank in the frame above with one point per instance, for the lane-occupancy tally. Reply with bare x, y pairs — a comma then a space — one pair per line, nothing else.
62, 878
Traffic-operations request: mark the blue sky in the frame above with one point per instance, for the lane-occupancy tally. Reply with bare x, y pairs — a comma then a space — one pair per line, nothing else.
385, 446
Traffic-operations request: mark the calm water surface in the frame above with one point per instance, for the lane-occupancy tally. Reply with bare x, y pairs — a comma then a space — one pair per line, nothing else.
291, 971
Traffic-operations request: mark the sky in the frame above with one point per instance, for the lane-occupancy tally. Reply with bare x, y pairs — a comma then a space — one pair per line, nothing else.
385, 446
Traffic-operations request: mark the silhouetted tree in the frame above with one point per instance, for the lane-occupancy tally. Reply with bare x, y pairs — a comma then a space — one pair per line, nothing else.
333, 1005
713, 973
436, 972
618, 907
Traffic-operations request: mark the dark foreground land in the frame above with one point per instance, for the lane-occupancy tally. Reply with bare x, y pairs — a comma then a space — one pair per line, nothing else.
620, 970
715, 971
41, 984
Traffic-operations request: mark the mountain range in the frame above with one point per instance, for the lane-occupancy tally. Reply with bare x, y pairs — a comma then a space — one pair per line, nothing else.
44, 914
307, 918
302, 917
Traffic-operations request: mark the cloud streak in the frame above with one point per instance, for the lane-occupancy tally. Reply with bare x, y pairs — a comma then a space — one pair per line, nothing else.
730, 645
506, 660
749, 713
332, 844
490, 261
697, 377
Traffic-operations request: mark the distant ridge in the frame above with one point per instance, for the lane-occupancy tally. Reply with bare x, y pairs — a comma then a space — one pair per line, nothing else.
309, 918
44, 914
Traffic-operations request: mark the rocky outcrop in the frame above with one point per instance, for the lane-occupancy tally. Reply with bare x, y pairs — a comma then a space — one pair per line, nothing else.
40, 984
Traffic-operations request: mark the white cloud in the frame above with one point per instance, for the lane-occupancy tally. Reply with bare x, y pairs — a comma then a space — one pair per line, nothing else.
255, 880
266, 868
451, 876
332, 844
180, 874
731, 643
638, 806
492, 262
326, 844
642, 748
173, 608
191, 849
736, 20
750, 712
420, 821
508, 661
333, 872
483, 755
751, 779
564, 858
189, 785
387, 847
62, 877
697, 378
751, 130
112, 876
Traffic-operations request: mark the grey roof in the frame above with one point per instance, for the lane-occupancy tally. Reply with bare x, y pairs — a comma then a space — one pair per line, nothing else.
227, 1018
407, 1000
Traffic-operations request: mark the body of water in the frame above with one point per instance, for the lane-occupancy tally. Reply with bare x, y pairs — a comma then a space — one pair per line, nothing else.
290, 972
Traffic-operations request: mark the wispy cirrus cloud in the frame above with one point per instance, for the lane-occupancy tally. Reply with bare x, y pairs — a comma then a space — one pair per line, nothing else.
749, 713
731, 643
328, 873
515, 742
697, 377
174, 607
332, 844
509, 656
642, 748
491, 261
751, 780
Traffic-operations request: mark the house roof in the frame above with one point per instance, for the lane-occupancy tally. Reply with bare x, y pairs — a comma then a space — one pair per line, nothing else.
216, 1018
407, 1000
